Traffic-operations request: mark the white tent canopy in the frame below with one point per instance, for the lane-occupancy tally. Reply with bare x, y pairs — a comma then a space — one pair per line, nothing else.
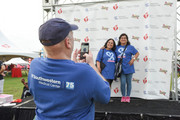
16, 61
9, 50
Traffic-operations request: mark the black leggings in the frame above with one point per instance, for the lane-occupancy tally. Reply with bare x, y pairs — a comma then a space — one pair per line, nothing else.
110, 81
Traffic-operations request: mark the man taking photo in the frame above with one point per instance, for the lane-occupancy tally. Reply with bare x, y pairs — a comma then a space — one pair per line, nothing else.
64, 89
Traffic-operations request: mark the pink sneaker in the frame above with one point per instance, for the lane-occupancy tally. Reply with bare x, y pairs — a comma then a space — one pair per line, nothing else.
123, 99
127, 99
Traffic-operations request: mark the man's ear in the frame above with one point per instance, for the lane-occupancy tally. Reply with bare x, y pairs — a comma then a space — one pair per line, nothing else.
67, 43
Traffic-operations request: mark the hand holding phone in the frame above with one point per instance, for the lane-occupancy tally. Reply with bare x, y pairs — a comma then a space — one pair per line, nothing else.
84, 49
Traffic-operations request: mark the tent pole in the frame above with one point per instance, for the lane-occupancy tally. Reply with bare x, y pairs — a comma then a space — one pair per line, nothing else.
175, 60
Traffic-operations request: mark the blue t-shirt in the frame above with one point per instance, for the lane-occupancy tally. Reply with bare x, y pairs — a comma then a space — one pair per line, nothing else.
109, 59
64, 90
130, 50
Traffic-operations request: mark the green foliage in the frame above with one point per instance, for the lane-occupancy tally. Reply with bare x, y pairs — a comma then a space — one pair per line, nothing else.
14, 86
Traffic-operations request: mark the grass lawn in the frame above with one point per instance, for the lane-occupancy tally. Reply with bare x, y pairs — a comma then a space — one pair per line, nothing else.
14, 86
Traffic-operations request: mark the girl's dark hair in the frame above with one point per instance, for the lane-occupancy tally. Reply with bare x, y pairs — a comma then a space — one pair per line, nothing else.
114, 44
119, 43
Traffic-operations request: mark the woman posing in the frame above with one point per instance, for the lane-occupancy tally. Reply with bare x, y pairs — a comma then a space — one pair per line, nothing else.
108, 57
129, 56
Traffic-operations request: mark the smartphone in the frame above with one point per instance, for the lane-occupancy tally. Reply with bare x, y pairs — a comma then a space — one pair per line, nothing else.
84, 49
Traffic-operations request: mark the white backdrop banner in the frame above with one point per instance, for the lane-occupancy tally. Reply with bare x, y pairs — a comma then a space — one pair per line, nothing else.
150, 26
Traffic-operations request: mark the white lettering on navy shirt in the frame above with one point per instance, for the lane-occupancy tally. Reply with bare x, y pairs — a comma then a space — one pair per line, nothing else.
70, 85
47, 82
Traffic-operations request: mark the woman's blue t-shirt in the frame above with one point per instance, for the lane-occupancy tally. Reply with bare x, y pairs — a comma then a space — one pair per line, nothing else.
108, 57
130, 50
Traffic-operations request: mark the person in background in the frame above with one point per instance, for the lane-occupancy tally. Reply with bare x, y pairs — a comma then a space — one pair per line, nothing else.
129, 56
108, 57
12, 66
2, 69
26, 91
63, 89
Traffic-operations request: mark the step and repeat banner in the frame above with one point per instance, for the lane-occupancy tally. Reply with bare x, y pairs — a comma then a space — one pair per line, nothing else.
150, 26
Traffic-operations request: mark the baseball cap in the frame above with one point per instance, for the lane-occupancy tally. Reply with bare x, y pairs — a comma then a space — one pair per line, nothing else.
54, 31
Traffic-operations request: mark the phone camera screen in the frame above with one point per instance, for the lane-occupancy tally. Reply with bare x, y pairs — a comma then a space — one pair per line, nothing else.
84, 48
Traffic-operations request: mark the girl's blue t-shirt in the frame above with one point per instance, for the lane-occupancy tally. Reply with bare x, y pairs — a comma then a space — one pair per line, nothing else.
129, 52
108, 57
